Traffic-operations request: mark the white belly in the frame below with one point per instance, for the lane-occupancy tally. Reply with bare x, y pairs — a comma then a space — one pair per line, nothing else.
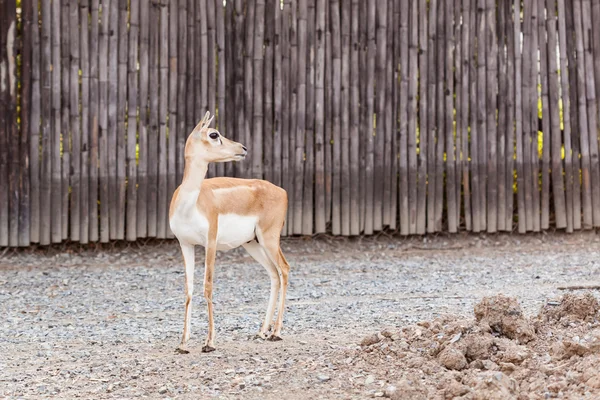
191, 227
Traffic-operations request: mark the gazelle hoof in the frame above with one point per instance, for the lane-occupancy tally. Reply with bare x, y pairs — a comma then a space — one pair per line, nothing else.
207, 349
182, 350
260, 335
274, 338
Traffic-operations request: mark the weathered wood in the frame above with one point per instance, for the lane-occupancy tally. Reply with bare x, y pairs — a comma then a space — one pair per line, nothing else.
558, 188
211, 61
309, 136
154, 132
476, 212
121, 149
132, 126
182, 87
285, 106
113, 117
510, 115
431, 120
162, 150
345, 119
239, 64
293, 102
390, 153
412, 113
33, 116
221, 84
320, 218
278, 98
545, 205
463, 50
144, 128
423, 22
354, 117
246, 128
9, 142
575, 131
501, 24
58, 183
336, 60
590, 88
380, 61
535, 157
257, 94
566, 115
402, 116
24, 131
93, 123
452, 196
362, 96
491, 107
173, 116
73, 103
103, 173
64, 148
439, 165
583, 116
393, 100
528, 109
482, 128
84, 213
4, 135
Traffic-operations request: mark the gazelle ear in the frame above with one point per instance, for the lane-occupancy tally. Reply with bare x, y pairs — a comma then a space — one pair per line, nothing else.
209, 121
202, 122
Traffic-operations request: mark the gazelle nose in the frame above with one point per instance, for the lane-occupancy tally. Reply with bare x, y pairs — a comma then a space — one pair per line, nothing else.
244, 147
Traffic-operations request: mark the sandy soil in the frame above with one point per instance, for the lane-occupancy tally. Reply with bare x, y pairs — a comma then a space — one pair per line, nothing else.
365, 318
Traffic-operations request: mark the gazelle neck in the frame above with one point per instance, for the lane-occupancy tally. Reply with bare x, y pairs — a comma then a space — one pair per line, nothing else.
193, 173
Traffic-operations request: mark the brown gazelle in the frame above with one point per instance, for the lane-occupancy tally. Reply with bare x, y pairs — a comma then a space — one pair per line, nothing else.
225, 213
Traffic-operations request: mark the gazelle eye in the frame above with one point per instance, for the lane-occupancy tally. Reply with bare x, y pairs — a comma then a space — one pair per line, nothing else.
214, 135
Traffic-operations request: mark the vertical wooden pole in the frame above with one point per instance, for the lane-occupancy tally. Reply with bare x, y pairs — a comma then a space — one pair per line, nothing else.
345, 119
163, 109
34, 124
566, 103
402, 116
320, 219
94, 123
132, 126
84, 212
24, 219
143, 130
257, 94
309, 156
424, 143
75, 167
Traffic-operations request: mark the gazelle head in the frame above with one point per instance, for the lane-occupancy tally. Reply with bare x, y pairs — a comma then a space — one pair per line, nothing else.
208, 145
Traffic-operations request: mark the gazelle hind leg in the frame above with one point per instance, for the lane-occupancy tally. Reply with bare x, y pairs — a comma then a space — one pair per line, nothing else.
283, 268
188, 258
259, 254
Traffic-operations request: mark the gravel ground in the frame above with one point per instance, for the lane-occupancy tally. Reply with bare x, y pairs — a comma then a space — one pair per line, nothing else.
103, 322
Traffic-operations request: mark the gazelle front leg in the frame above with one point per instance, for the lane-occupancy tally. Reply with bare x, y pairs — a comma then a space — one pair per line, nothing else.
211, 252
188, 258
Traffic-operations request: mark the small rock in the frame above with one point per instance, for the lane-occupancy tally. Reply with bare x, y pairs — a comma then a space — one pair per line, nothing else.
452, 358
369, 340
323, 378
370, 379
389, 391
162, 390
378, 394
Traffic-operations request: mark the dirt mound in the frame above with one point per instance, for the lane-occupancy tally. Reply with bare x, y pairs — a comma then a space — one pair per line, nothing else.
505, 317
500, 354
571, 308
